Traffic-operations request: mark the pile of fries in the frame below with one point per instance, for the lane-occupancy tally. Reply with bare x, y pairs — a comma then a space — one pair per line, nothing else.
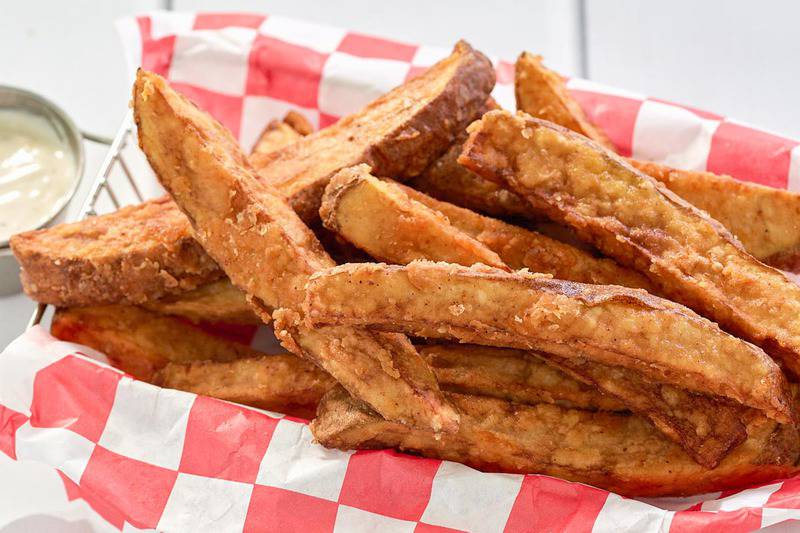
540, 304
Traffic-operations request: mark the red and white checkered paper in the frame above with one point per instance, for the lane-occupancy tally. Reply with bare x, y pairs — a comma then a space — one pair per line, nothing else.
150, 458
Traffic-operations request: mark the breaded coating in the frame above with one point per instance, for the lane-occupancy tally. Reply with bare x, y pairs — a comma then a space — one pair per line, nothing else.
708, 428
141, 342
267, 251
282, 383
134, 255
542, 93
219, 301
617, 452
379, 217
398, 224
398, 135
381, 220
630, 216
612, 325
276, 135
513, 375
765, 220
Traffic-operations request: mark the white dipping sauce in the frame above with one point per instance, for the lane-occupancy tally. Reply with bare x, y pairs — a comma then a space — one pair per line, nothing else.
37, 170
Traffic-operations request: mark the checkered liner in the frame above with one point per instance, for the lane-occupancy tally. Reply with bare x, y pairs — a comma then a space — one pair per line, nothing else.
145, 457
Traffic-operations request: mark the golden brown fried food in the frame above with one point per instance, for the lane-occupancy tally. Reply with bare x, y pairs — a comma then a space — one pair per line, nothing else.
542, 93
707, 428
765, 220
633, 218
140, 342
398, 224
380, 219
511, 375
299, 123
612, 325
133, 255
267, 251
276, 135
398, 135
219, 301
617, 452
283, 383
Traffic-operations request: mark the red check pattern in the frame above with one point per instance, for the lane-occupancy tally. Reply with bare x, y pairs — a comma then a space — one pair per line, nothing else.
144, 457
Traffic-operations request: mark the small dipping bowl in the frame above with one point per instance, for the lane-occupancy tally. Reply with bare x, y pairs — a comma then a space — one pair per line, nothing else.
22, 101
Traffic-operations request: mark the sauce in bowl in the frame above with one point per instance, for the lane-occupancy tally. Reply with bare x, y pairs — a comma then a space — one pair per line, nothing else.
37, 172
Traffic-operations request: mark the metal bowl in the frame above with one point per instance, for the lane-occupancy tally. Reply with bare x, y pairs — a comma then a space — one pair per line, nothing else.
12, 98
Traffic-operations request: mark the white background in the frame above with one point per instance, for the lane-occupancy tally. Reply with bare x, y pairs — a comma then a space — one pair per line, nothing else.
737, 58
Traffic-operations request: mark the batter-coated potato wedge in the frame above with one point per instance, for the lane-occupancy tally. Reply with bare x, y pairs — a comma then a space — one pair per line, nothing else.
513, 375
134, 255
269, 253
283, 382
278, 134
542, 93
708, 428
765, 220
141, 342
398, 135
380, 219
214, 302
617, 452
612, 325
630, 216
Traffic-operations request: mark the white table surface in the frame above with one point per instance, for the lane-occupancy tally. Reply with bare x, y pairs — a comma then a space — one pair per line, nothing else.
737, 60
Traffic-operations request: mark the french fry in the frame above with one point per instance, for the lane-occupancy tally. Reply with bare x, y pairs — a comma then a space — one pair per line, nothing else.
266, 250
541, 93
141, 342
663, 341
762, 218
398, 135
276, 135
134, 255
283, 383
381, 220
512, 375
628, 215
617, 452
214, 302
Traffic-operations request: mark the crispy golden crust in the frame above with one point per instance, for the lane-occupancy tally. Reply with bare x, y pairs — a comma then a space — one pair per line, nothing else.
512, 375
219, 301
617, 452
282, 383
398, 135
298, 122
380, 219
133, 255
140, 342
633, 218
607, 324
543, 94
267, 251
765, 220
276, 135
707, 428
